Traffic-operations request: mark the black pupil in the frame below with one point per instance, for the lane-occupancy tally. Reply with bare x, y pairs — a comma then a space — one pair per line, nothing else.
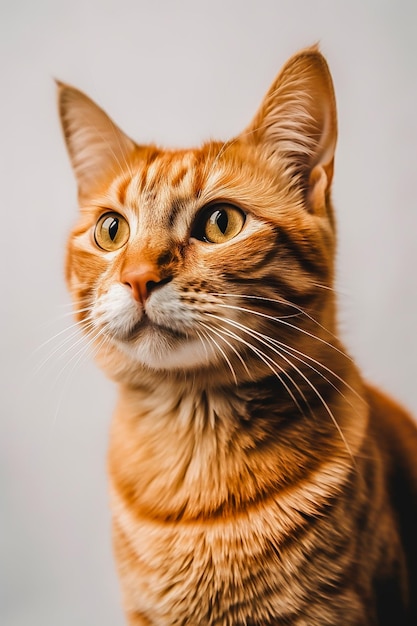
113, 228
221, 220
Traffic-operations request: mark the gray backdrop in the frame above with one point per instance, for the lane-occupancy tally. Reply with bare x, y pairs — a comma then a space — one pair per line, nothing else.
175, 72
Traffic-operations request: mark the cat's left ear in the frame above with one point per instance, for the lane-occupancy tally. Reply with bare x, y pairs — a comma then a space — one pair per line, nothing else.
96, 146
296, 125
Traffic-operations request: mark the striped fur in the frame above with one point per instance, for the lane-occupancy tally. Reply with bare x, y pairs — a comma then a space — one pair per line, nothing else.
255, 478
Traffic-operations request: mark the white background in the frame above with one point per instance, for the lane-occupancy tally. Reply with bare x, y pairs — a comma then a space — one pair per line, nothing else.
176, 72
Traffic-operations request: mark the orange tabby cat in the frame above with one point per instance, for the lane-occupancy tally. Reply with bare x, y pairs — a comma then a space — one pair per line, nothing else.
255, 478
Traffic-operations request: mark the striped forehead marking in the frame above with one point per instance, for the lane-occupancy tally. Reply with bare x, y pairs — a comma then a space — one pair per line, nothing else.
169, 182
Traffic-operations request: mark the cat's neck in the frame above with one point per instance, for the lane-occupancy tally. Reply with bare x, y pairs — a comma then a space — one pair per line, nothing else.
180, 450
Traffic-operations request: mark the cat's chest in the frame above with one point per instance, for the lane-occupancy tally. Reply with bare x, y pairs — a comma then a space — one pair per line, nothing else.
209, 571
203, 526
214, 571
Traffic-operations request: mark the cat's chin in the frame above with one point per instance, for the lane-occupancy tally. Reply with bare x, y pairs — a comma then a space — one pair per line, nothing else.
159, 349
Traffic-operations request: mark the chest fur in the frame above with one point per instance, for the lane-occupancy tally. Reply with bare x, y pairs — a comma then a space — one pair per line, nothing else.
207, 531
249, 568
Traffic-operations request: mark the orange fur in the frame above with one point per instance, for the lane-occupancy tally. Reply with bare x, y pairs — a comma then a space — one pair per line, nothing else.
255, 478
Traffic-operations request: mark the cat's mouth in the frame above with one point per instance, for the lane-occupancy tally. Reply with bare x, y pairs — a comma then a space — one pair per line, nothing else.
162, 347
146, 327
162, 335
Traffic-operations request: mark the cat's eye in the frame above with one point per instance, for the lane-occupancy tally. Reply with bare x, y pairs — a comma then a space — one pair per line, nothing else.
111, 232
219, 223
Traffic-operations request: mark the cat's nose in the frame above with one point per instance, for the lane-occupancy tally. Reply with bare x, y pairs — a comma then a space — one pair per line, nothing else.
141, 279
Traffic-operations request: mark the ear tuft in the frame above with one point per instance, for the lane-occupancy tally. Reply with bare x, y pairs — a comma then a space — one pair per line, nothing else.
95, 144
296, 124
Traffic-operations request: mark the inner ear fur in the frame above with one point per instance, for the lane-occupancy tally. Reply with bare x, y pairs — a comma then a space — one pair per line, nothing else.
296, 125
96, 146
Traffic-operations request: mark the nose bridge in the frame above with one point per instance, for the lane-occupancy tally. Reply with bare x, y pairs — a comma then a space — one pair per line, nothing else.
143, 267
140, 252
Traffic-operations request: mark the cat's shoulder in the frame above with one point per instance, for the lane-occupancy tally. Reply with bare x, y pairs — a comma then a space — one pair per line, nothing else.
394, 428
395, 433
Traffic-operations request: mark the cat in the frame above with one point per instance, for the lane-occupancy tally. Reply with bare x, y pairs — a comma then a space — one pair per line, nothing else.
255, 478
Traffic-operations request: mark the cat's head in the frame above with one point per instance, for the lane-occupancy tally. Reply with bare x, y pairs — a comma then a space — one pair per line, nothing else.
217, 259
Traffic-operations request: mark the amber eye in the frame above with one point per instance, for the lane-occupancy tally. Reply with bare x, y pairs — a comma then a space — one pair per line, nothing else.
111, 232
219, 223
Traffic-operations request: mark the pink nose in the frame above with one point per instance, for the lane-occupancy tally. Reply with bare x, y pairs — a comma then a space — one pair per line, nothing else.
141, 279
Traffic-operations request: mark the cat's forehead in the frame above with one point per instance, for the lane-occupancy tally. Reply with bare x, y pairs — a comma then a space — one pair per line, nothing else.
168, 187
182, 173
158, 190
162, 177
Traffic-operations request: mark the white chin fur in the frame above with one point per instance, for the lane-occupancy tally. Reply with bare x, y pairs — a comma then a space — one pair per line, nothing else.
118, 314
157, 352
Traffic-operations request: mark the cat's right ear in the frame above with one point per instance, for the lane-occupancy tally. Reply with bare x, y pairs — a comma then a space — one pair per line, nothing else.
96, 146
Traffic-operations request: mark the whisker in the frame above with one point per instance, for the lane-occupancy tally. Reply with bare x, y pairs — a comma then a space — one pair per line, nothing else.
86, 341
203, 340
222, 352
262, 298
239, 356
339, 290
58, 334
76, 360
319, 364
285, 323
63, 316
303, 376
75, 312
269, 362
71, 304
75, 333
303, 354
282, 301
